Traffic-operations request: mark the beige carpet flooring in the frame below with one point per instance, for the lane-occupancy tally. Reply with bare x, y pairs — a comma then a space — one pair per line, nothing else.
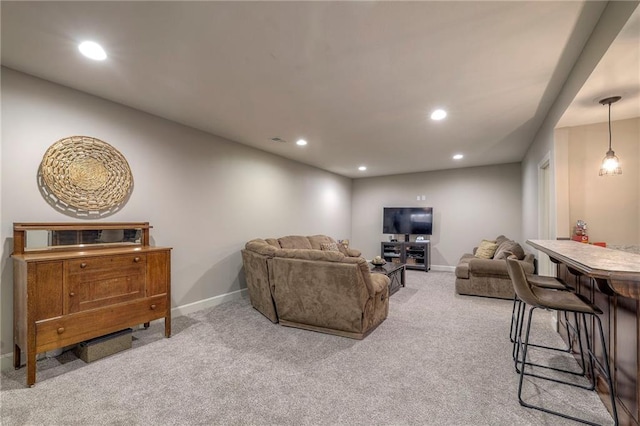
439, 359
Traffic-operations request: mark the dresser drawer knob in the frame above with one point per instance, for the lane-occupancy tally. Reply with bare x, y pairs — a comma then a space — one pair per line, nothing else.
153, 307
72, 294
60, 330
136, 259
83, 265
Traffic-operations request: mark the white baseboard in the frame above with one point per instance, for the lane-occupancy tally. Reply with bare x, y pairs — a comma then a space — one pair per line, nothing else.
6, 360
207, 303
443, 268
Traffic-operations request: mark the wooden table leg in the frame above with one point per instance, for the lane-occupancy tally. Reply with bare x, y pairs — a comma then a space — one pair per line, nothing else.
167, 324
16, 356
31, 370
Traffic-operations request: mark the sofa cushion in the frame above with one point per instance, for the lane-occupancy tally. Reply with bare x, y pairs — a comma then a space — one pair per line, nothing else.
509, 247
486, 249
310, 254
273, 242
501, 239
295, 242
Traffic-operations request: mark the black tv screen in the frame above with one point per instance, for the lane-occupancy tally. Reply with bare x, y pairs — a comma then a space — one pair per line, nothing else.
407, 220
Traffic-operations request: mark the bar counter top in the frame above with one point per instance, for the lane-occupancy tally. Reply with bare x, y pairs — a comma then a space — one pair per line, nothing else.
620, 270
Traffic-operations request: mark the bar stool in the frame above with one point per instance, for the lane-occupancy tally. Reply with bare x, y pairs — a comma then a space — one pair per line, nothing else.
539, 298
517, 318
549, 283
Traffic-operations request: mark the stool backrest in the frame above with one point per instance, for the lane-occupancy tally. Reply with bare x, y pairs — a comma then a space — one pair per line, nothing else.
520, 283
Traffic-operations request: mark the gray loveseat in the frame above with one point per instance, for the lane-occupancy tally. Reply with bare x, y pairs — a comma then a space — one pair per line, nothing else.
305, 282
489, 277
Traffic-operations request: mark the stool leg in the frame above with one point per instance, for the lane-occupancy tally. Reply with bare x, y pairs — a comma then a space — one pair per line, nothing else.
605, 367
522, 374
524, 356
518, 343
512, 330
518, 336
578, 333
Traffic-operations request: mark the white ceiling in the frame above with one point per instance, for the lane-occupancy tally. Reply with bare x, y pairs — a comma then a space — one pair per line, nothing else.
617, 74
357, 80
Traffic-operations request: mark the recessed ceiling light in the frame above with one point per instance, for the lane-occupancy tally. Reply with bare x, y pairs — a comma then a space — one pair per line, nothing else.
362, 168
438, 114
458, 157
92, 50
301, 142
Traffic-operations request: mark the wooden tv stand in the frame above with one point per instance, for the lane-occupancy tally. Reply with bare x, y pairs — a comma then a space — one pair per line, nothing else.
415, 255
72, 286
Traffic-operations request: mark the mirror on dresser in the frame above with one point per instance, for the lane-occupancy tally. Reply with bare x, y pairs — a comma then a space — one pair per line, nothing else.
47, 239
37, 237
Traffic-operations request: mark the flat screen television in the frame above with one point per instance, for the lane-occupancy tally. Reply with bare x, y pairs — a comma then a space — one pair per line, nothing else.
407, 220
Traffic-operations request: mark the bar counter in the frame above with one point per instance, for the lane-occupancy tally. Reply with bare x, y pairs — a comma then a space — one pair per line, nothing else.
610, 279
620, 270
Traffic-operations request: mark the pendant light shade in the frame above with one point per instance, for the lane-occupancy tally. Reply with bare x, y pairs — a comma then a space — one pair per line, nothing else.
610, 163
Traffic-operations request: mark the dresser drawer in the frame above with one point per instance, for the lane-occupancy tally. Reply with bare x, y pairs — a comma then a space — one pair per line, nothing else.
105, 263
75, 328
99, 282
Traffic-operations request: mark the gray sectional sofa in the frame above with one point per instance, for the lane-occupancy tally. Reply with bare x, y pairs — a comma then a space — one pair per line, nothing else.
309, 283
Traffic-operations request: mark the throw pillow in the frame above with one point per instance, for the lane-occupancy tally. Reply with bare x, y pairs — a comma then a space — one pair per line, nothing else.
507, 248
329, 247
486, 249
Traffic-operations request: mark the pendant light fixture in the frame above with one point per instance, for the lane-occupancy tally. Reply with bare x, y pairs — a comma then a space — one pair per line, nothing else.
610, 163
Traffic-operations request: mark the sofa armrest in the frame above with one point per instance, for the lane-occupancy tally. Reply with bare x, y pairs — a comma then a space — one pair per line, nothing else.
496, 266
479, 266
380, 282
261, 247
353, 252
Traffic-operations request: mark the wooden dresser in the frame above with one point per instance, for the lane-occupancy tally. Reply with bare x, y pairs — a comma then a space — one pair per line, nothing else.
89, 287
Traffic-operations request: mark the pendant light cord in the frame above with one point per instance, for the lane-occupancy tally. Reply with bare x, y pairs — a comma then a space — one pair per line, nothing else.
609, 126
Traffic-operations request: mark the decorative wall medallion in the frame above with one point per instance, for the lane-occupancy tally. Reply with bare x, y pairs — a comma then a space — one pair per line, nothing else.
84, 176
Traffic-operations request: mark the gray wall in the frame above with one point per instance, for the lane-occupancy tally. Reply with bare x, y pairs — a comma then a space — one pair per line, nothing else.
204, 196
609, 205
469, 204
